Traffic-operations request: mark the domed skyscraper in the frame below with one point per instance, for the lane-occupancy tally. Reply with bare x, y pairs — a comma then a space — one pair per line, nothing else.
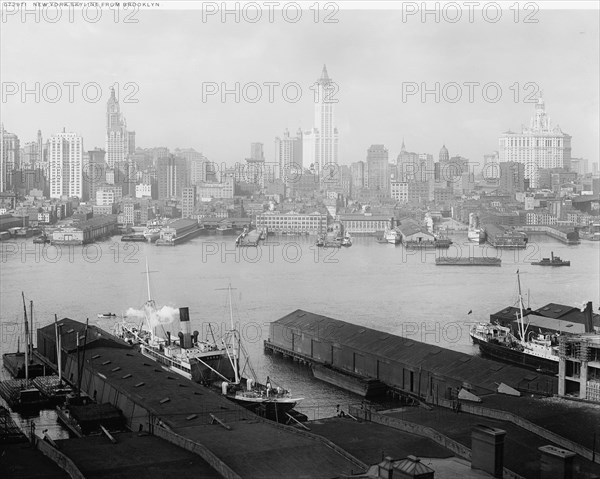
444, 155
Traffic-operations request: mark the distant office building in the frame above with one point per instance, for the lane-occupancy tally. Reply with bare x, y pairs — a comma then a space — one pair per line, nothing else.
444, 155
580, 166
320, 145
491, 166
257, 151
288, 154
188, 201
358, 172
222, 190
107, 195
406, 164
65, 166
9, 157
94, 172
539, 146
172, 177
120, 143
199, 167
377, 168
143, 190
399, 191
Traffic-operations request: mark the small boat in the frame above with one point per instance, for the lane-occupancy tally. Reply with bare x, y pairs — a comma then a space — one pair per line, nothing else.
41, 239
320, 241
347, 240
106, 315
392, 236
267, 400
552, 261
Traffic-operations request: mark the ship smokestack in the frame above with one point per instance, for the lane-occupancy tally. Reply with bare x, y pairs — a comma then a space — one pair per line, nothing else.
184, 320
587, 315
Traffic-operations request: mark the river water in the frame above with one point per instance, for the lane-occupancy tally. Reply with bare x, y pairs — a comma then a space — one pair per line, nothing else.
380, 286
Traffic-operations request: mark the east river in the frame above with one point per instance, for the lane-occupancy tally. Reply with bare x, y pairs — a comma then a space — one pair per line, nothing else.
380, 286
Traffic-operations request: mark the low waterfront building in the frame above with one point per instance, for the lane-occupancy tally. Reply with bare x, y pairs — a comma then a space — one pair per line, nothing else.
413, 235
292, 223
500, 237
86, 231
365, 224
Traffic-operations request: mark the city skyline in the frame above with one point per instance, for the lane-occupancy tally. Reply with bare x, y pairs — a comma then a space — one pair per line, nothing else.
172, 114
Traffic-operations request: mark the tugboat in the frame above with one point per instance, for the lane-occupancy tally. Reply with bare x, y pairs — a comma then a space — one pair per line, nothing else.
552, 261
320, 241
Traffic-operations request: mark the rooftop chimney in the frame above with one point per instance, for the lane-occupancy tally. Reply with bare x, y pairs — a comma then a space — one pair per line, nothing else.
184, 320
556, 463
487, 449
587, 315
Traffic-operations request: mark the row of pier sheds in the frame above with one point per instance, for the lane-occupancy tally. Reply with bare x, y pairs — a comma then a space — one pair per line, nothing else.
426, 370
189, 415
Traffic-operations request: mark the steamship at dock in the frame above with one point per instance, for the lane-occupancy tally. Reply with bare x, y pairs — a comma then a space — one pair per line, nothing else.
208, 362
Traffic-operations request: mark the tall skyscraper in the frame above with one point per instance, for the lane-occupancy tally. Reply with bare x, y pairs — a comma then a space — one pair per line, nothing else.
172, 176
539, 146
257, 152
65, 156
9, 158
119, 142
357, 171
188, 201
288, 154
378, 177
512, 178
320, 145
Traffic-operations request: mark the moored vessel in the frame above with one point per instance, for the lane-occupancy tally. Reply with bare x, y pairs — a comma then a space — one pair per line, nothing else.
392, 236
268, 400
532, 350
472, 261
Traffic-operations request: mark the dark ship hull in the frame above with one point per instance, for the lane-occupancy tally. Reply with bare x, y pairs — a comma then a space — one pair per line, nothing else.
506, 354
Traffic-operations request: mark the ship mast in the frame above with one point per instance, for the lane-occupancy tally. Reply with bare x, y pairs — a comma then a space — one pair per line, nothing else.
235, 355
521, 324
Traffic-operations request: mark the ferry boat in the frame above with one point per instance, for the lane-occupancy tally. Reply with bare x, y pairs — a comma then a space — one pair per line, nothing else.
392, 236
552, 261
528, 349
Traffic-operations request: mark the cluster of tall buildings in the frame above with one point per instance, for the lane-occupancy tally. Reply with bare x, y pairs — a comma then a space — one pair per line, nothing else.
303, 162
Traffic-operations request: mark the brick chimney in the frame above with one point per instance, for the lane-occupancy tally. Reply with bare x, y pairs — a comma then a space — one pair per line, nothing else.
487, 449
556, 463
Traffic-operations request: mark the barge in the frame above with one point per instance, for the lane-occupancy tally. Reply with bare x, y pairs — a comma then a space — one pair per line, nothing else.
445, 261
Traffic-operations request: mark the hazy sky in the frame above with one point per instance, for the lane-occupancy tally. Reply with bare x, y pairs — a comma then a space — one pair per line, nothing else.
169, 54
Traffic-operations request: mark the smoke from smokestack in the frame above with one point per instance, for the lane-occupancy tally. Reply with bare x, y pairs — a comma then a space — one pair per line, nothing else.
164, 315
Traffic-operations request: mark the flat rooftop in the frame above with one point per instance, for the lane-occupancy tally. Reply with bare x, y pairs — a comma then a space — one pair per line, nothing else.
253, 448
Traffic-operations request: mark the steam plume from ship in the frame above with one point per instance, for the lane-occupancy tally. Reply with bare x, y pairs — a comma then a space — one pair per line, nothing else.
156, 317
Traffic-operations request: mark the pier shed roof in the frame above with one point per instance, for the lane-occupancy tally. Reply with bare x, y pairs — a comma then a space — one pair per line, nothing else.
70, 329
252, 447
478, 372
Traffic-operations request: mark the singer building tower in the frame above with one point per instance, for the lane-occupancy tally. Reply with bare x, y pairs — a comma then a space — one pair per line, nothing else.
320, 145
